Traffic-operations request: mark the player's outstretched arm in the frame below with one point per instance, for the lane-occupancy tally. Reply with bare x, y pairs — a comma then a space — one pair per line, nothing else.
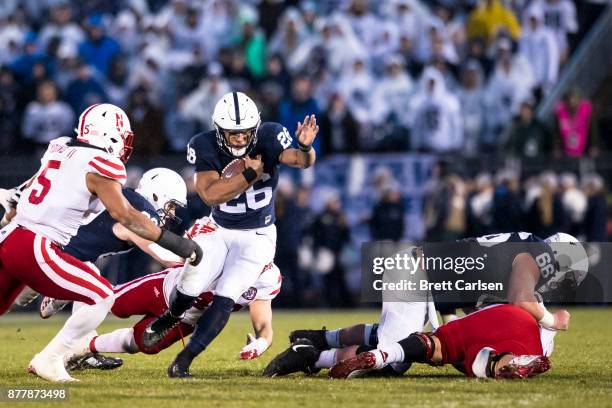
305, 156
161, 255
214, 190
521, 293
261, 316
109, 192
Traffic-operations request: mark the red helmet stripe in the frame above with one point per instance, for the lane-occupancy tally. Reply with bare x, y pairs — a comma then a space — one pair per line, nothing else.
82, 124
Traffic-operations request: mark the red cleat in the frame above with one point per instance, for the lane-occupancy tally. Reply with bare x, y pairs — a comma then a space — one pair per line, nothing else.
354, 366
524, 367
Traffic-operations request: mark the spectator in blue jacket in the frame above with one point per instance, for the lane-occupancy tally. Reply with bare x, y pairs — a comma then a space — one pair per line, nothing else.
301, 103
98, 49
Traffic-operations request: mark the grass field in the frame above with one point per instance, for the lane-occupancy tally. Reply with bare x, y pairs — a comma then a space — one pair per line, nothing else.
581, 375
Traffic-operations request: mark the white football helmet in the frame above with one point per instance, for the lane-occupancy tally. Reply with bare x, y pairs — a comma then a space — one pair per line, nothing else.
106, 126
571, 258
236, 113
165, 190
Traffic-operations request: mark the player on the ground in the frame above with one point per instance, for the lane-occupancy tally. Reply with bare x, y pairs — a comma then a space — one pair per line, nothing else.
77, 180
523, 261
236, 174
499, 341
148, 296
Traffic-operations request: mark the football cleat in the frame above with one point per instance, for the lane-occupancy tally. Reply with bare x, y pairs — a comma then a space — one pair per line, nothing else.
94, 361
177, 370
354, 366
316, 337
301, 356
50, 306
524, 367
158, 329
49, 367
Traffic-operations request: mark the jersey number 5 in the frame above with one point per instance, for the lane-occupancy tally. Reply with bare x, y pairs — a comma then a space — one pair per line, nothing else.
38, 195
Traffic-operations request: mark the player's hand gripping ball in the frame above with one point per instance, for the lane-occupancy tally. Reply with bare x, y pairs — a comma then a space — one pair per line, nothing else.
234, 167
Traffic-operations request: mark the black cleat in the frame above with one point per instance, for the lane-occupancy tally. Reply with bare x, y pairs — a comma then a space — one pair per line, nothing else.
177, 370
316, 337
301, 356
158, 329
94, 361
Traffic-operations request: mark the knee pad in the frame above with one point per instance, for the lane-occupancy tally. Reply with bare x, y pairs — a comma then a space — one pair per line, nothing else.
419, 348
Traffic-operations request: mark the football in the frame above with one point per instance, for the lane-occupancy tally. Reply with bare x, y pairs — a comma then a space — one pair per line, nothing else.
234, 167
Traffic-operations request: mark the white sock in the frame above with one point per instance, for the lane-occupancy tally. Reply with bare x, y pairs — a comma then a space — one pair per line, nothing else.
76, 306
119, 341
333, 338
82, 322
327, 359
394, 353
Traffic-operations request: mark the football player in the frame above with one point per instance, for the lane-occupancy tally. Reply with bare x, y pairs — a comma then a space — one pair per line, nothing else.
148, 297
533, 267
77, 180
159, 192
237, 167
499, 341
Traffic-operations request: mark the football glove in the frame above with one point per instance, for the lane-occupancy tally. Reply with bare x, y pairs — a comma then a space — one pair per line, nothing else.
254, 348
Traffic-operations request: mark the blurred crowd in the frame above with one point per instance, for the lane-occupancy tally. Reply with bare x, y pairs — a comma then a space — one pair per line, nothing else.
544, 204
428, 75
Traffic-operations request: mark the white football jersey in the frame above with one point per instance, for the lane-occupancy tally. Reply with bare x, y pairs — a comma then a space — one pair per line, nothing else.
266, 287
57, 202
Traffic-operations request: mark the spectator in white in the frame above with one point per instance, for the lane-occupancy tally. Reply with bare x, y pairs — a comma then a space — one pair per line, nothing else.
356, 85
289, 34
472, 99
364, 23
408, 15
574, 201
217, 25
189, 33
433, 43
147, 72
511, 83
454, 27
12, 38
62, 26
47, 118
126, 31
338, 41
392, 94
560, 17
386, 43
200, 103
540, 48
435, 115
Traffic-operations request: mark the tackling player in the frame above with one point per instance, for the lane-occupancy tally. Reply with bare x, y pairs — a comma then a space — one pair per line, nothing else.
532, 267
236, 174
499, 341
76, 181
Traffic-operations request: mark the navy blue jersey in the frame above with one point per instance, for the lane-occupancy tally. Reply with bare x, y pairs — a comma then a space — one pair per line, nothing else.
97, 239
499, 252
255, 207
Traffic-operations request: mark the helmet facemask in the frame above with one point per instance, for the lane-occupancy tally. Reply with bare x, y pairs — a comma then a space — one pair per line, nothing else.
167, 214
233, 151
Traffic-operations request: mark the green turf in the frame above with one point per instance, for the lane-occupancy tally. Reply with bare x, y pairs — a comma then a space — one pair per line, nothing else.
581, 375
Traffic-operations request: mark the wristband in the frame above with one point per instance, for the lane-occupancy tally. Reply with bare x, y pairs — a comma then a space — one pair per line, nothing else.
547, 321
304, 148
249, 174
